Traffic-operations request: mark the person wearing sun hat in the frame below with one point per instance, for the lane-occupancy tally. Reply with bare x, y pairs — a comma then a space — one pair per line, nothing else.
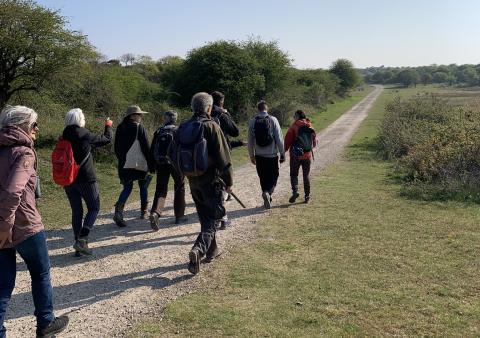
132, 150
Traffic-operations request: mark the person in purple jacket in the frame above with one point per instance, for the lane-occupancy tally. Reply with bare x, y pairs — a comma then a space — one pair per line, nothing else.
21, 228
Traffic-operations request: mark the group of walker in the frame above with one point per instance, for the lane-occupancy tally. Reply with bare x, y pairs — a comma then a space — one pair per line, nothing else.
199, 149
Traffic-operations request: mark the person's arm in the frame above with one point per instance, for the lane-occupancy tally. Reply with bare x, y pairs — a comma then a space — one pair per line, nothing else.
221, 154
289, 138
18, 176
279, 138
229, 125
102, 139
251, 141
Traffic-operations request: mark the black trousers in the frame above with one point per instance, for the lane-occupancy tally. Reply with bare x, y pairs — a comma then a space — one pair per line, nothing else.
295, 165
209, 205
267, 170
163, 176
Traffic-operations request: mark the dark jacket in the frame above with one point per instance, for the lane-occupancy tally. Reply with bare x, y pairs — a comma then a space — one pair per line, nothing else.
218, 153
83, 141
228, 126
124, 138
18, 177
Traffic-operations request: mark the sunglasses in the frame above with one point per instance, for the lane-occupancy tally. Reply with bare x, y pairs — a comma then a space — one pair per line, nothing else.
34, 125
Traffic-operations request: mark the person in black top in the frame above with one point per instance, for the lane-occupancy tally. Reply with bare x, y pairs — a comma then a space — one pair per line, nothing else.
128, 131
229, 129
159, 149
85, 185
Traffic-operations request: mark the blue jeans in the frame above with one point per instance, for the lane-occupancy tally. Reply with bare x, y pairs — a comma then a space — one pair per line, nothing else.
34, 252
127, 190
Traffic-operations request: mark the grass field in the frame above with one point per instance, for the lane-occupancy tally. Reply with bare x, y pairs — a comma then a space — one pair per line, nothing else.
360, 260
54, 206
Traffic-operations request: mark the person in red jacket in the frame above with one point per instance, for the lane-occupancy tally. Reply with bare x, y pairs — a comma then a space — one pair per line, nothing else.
300, 141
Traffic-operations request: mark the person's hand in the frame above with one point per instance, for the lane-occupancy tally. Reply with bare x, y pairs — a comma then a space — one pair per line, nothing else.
252, 159
108, 122
5, 237
228, 189
282, 159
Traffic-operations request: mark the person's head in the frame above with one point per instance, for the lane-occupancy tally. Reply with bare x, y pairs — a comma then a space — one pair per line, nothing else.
134, 113
170, 116
262, 106
75, 117
299, 115
218, 99
22, 117
202, 103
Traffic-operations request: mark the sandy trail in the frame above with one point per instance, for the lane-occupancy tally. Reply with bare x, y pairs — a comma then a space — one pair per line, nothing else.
134, 272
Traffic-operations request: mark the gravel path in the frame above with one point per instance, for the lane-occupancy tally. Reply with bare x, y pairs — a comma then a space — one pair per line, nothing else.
134, 272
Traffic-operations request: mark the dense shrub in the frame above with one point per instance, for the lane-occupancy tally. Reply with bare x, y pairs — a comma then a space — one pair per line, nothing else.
433, 141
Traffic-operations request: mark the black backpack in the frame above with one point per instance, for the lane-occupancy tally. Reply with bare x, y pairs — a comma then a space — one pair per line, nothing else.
263, 130
304, 141
161, 149
189, 151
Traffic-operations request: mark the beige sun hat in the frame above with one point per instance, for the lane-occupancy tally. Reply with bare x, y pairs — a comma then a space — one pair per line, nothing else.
134, 110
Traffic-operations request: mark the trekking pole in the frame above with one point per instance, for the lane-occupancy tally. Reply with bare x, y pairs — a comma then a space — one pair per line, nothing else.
231, 193
238, 200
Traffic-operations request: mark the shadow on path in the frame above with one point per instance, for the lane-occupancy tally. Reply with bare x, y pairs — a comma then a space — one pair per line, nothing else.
96, 290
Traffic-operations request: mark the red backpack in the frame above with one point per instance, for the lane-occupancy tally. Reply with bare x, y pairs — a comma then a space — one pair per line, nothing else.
64, 167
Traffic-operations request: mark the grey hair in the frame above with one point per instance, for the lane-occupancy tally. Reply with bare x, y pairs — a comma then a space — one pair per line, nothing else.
171, 116
201, 101
17, 116
75, 117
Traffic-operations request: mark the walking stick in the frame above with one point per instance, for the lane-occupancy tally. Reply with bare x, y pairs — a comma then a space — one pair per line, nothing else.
231, 193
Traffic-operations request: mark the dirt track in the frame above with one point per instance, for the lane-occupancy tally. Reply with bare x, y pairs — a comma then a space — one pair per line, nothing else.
134, 271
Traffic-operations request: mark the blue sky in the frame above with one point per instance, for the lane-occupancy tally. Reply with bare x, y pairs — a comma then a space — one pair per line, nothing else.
314, 33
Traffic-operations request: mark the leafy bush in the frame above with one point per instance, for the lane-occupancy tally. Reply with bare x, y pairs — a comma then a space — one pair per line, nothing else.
433, 142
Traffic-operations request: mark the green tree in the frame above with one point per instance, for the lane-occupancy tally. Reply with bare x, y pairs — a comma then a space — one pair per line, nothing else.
408, 77
349, 76
34, 45
223, 66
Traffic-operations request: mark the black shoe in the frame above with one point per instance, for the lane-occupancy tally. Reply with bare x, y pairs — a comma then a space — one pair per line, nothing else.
77, 253
294, 197
56, 326
224, 224
210, 258
154, 222
81, 246
267, 200
307, 199
194, 261
181, 219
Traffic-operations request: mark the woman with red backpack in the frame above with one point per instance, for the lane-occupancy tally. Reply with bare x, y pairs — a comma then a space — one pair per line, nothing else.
300, 140
85, 186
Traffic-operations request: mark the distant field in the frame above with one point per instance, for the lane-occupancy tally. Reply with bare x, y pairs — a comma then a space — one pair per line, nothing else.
360, 260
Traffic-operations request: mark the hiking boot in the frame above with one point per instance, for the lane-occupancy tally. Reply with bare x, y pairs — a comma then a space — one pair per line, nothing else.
143, 210
267, 200
209, 258
224, 224
154, 221
181, 219
194, 261
81, 246
307, 199
56, 326
118, 215
294, 197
